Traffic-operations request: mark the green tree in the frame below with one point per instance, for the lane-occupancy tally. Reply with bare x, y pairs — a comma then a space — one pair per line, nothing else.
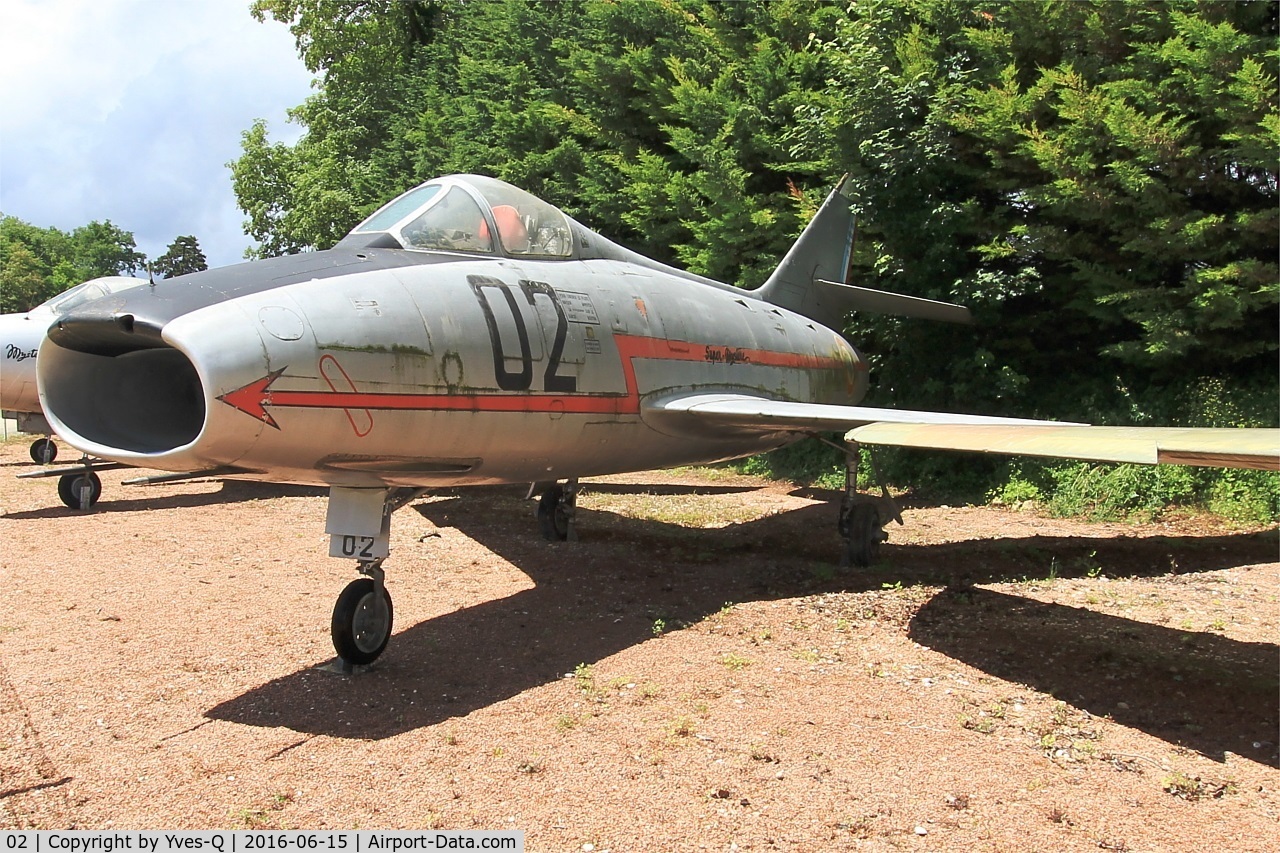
311, 194
664, 125
22, 278
1097, 179
102, 249
182, 257
39, 263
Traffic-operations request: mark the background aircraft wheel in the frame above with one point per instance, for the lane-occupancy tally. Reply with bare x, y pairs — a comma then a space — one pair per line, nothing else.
552, 516
70, 487
865, 535
360, 628
43, 451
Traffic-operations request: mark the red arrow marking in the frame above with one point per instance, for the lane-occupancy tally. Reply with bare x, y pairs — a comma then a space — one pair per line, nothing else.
254, 398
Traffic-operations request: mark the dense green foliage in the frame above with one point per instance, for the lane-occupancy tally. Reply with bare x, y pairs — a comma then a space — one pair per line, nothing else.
1096, 180
182, 257
39, 263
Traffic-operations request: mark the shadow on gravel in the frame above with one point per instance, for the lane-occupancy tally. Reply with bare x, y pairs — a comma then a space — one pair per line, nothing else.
665, 489
231, 491
599, 596
1199, 690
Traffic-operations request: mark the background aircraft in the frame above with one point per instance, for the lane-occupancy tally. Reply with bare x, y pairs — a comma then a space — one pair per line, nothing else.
470, 333
20, 337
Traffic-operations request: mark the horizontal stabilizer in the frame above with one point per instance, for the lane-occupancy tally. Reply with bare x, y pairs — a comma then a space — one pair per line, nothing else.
850, 297
1214, 448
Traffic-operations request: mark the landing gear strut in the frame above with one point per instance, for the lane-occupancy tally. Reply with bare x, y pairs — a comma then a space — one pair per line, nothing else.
556, 510
863, 517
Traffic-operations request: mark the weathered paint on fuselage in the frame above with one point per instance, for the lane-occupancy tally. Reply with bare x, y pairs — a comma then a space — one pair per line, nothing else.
454, 371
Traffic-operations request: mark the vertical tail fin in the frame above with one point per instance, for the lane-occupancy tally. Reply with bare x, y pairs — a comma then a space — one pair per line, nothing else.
821, 253
811, 278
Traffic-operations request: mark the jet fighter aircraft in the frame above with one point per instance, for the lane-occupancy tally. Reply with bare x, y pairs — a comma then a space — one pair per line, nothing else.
20, 337
470, 333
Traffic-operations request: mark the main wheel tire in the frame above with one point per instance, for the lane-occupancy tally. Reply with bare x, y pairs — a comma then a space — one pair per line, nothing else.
360, 629
865, 535
846, 513
43, 451
553, 518
70, 487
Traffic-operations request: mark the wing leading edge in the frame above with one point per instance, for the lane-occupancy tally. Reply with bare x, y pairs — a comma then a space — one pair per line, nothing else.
1211, 447
742, 411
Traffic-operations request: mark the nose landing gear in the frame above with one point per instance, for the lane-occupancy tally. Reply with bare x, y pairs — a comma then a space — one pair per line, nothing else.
362, 617
359, 525
80, 490
79, 486
43, 451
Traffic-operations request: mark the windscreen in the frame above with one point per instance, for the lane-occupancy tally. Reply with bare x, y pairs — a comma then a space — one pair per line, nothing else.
398, 209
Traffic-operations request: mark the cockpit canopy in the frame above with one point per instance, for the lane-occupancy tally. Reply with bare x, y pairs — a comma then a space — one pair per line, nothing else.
472, 213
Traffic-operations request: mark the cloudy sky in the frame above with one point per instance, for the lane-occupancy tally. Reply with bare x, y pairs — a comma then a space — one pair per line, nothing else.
128, 110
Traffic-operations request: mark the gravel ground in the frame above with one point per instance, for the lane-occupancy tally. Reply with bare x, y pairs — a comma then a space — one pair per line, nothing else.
694, 674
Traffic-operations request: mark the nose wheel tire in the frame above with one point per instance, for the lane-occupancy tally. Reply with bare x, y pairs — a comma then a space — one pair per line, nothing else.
361, 624
71, 488
43, 451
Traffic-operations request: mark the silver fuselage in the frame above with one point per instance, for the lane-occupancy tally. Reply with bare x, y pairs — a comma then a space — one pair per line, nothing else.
391, 367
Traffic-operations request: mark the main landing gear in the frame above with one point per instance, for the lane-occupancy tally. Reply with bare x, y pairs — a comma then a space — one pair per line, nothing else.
863, 517
556, 510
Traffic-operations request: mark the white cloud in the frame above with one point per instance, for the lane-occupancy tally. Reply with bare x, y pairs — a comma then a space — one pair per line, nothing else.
128, 110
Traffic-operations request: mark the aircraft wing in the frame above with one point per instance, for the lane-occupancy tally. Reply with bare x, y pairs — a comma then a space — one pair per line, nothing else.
743, 411
1213, 447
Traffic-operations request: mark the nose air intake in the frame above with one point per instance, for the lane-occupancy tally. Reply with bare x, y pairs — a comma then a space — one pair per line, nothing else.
117, 394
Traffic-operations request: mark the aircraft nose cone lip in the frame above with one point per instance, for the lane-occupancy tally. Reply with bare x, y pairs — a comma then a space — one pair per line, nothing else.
106, 333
